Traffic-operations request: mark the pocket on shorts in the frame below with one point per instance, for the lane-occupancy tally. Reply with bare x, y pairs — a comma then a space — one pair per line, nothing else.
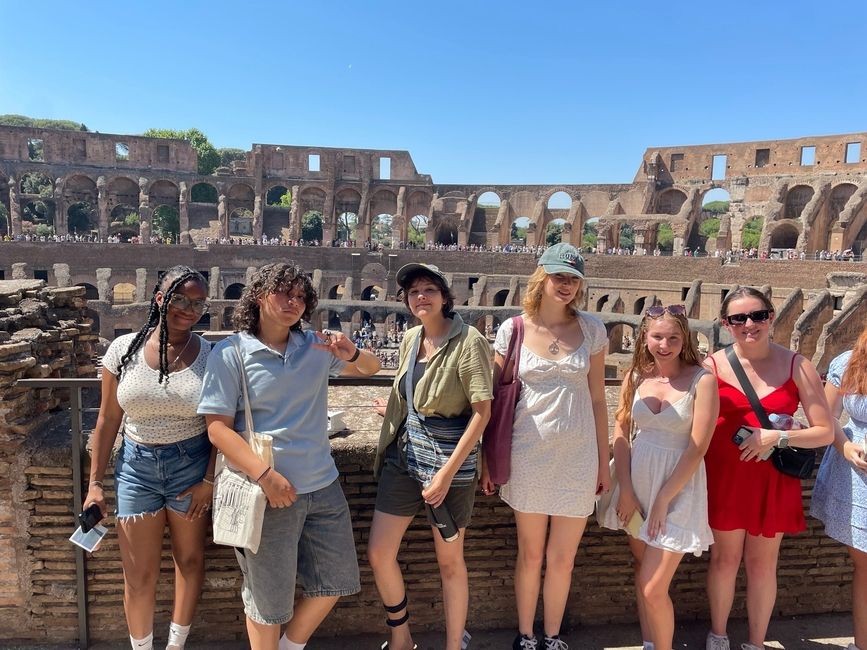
198, 448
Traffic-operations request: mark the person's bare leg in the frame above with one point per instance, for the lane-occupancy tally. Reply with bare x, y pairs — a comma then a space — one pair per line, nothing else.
726, 553
760, 560
657, 570
386, 534
141, 544
638, 547
456, 589
261, 636
532, 531
560, 552
188, 552
308, 616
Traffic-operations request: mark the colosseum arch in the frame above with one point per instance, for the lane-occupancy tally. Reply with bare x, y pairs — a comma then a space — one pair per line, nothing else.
233, 291
124, 221
35, 184
275, 193
840, 195
204, 193
163, 192
80, 188
785, 235
122, 191
670, 201
82, 218
311, 198
796, 200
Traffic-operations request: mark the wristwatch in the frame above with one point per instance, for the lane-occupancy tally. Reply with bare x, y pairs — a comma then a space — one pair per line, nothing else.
783, 442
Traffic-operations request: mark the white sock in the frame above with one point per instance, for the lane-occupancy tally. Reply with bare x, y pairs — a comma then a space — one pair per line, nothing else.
648, 645
146, 643
177, 636
286, 644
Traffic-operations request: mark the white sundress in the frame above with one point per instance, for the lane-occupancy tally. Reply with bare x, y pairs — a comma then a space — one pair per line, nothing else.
554, 453
660, 441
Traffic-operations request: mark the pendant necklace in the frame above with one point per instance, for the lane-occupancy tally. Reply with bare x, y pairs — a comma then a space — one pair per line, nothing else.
554, 348
181, 353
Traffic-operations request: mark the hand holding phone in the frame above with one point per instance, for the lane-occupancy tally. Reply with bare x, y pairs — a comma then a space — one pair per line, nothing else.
742, 435
89, 517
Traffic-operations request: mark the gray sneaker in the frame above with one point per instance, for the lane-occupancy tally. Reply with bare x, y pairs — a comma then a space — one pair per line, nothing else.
555, 643
750, 646
715, 642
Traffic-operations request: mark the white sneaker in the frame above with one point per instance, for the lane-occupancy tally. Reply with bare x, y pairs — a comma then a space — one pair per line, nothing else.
716, 642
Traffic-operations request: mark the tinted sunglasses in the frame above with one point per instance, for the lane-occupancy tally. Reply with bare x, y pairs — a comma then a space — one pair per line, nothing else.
185, 304
657, 311
758, 316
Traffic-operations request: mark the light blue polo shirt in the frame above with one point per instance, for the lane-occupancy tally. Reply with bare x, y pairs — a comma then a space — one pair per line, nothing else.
288, 400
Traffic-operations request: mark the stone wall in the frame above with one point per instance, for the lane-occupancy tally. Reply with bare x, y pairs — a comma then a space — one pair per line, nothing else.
43, 333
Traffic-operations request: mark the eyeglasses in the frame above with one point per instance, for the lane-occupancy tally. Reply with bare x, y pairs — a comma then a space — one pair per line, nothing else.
185, 304
658, 310
758, 316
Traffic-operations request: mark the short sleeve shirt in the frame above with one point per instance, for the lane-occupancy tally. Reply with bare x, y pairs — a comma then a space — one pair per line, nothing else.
157, 414
288, 400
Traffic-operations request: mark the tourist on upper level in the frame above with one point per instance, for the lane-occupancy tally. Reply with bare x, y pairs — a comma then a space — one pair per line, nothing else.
164, 472
559, 459
840, 495
751, 504
306, 530
671, 403
439, 405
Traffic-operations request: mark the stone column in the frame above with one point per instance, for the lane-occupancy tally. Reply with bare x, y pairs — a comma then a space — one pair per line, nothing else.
223, 215
145, 212
103, 283
102, 206
183, 214
257, 217
19, 270
14, 206
61, 219
214, 283
61, 275
141, 285
294, 217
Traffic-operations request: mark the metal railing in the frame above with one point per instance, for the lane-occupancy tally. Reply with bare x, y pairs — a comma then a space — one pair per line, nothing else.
77, 410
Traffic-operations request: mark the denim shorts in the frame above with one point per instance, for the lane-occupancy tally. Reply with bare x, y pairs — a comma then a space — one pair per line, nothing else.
310, 541
149, 478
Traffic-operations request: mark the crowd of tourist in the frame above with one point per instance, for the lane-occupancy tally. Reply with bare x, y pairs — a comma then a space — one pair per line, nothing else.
690, 473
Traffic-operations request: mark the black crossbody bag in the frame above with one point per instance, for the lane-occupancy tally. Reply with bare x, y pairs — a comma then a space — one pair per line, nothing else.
792, 461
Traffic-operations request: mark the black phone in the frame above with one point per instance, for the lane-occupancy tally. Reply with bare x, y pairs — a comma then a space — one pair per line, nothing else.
742, 434
89, 517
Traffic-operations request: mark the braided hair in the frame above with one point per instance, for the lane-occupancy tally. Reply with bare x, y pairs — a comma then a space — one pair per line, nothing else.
168, 282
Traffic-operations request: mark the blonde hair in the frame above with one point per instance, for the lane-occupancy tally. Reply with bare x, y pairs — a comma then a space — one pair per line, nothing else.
642, 362
536, 287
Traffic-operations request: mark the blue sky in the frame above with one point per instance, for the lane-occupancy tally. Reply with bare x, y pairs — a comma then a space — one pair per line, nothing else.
478, 92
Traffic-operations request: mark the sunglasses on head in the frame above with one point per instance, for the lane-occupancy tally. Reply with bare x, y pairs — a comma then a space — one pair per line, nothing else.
758, 316
185, 304
657, 311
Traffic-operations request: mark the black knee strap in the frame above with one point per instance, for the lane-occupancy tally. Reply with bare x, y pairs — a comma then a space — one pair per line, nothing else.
394, 609
397, 622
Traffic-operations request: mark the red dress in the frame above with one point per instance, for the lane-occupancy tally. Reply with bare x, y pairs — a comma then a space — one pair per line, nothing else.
750, 495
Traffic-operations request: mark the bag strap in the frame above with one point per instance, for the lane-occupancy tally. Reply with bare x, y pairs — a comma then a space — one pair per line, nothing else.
513, 352
747, 387
413, 355
248, 415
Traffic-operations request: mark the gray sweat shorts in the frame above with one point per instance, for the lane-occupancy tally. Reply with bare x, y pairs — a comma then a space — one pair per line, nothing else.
311, 541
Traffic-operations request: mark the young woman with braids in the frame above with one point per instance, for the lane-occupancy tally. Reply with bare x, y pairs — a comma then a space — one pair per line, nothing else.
151, 383
306, 531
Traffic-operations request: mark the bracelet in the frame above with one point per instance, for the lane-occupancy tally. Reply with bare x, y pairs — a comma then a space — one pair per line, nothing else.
355, 356
98, 483
263, 474
208, 481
